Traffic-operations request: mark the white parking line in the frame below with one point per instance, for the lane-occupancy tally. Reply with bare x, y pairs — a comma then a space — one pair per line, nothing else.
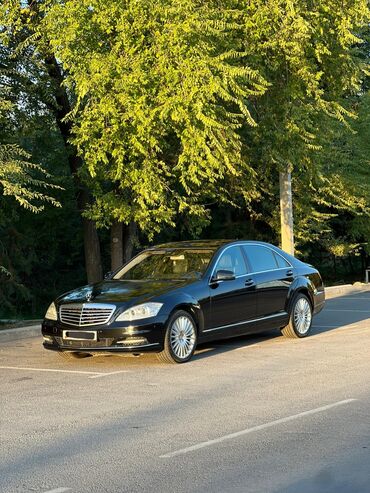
345, 310
95, 374
250, 346
208, 443
58, 490
325, 326
348, 326
348, 298
335, 333
108, 374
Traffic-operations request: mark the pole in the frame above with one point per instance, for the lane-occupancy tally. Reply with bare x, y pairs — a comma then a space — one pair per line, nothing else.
286, 212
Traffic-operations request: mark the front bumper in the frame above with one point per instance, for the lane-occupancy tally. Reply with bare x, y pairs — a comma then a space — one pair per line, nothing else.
115, 338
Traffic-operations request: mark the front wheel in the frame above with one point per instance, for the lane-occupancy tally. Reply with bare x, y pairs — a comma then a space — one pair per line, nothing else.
180, 339
300, 318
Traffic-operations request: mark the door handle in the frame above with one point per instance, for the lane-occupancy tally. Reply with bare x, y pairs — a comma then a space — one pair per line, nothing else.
249, 282
289, 273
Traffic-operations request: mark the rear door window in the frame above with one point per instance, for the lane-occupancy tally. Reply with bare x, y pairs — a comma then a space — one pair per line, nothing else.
260, 258
282, 263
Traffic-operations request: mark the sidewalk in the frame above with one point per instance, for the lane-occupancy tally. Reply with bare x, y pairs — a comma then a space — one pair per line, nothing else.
334, 291
8, 335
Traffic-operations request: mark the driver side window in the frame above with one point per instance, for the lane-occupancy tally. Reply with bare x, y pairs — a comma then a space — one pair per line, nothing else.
232, 259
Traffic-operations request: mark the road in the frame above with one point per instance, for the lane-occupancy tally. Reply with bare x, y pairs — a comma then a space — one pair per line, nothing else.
255, 414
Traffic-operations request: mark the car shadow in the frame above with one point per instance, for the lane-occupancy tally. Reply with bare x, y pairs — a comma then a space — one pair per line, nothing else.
350, 474
342, 311
339, 312
220, 346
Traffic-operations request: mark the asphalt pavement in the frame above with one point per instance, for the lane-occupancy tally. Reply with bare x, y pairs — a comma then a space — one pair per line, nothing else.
256, 414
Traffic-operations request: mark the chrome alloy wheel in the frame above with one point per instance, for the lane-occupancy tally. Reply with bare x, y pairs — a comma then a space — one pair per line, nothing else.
302, 316
182, 337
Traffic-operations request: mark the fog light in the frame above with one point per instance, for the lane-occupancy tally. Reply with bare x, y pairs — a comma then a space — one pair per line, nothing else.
133, 341
48, 339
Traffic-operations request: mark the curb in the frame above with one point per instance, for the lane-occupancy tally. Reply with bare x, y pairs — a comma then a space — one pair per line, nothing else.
9, 335
334, 291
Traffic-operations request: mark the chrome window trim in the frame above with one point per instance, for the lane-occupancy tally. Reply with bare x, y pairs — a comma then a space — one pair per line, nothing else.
280, 314
252, 272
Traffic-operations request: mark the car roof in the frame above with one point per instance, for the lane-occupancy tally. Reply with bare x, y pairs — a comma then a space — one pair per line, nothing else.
213, 244
218, 244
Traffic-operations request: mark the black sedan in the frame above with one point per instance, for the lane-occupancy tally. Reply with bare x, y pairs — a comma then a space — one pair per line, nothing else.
170, 297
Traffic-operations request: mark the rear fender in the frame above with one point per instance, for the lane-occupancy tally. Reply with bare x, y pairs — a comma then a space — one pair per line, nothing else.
302, 285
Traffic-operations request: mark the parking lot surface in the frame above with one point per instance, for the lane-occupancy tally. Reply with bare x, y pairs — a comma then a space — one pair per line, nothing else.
256, 414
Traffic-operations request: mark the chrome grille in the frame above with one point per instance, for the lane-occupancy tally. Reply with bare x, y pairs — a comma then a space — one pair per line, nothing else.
85, 314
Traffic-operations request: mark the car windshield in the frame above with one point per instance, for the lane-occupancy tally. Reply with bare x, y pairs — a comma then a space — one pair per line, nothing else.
166, 264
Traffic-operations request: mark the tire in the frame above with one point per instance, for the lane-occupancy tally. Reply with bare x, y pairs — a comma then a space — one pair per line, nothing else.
180, 339
70, 355
300, 320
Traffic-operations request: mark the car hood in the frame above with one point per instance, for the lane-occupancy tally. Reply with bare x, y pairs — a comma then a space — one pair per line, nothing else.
116, 291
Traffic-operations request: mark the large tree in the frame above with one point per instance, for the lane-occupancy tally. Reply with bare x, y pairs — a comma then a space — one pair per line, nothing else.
30, 186
161, 96
311, 55
175, 105
36, 78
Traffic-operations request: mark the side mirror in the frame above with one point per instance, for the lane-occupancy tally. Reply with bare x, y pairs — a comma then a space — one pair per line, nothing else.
108, 275
224, 275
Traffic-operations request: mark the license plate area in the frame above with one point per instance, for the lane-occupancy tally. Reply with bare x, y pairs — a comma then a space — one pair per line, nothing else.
80, 335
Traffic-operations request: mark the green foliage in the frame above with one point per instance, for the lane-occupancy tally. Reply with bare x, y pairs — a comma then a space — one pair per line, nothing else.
184, 112
314, 58
161, 95
16, 179
304, 51
346, 167
40, 254
19, 178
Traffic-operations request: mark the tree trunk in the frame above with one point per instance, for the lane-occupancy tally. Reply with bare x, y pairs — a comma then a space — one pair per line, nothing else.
352, 269
286, 212
92, 251
116, 245
129, 237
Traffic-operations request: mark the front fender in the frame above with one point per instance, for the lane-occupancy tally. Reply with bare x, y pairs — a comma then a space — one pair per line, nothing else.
184, 301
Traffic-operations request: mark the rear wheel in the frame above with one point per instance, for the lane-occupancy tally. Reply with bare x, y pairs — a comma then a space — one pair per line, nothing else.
300, 318
69, 355
180, 339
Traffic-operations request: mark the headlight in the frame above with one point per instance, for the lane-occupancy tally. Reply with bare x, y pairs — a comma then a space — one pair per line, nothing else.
146, 310
51, 313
